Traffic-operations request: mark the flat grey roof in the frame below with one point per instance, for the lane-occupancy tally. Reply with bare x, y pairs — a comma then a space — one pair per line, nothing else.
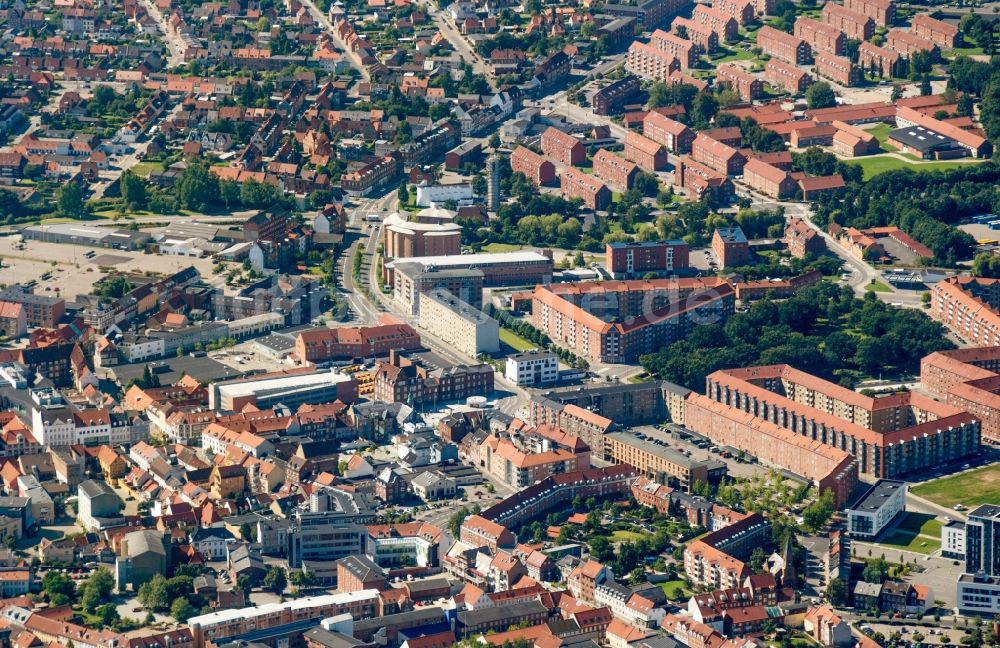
878, 495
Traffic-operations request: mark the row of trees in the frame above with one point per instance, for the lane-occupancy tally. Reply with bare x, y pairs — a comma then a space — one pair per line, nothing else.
824, 329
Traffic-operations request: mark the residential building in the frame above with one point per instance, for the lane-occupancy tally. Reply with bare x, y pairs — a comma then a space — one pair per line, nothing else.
944, 35
662, 464
614, 170
850, 141
731, 247
647, 61
838, 68
967, 379
883, 12
787, 77
563, 147
855, 25
716, 155
700, 180
877, 509
878, 60
820, 36
463, 327
672, 134
415, 381
532, 368
345, 343
907, 43
611, 99
745, 84
781, 45
13, 319
767, 179
802, 239
577, 184
651, 156
411, 280
702, 35
534, 167
637, 259
953, 539
723, 24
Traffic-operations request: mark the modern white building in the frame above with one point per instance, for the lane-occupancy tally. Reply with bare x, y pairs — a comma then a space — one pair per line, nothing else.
212, 543
876, 509
532, 368
428, 194
953, 540
455, 322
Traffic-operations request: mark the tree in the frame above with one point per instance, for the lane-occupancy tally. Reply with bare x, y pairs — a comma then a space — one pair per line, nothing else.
876, 570
495, 140
601, 549
403, 194
275, 580
97, 589
70, 201
925, 85
836, 592
479, 186
820, 95
182, 610
197, 188
59, 588
246, 533
133, 190
244, 583
816, 514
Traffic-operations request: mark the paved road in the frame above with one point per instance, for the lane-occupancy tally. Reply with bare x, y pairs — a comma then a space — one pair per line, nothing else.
458, 42
173, 41
351, 56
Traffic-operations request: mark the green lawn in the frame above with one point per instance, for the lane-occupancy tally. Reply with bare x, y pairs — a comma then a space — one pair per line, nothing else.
879, 287
669, 587
501, 247
971, 488
911, 542
627, 536
881, 133
143, 169
876, 164
922, 523
962, 51
515, 341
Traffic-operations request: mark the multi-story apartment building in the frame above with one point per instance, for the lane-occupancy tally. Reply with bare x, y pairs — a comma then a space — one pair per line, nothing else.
700, 34
662, 464
723, 24
768, 179
346, 342
731, 247
878, 60
944, 35
700, 180
414, 381
802, 239
614, 170
373, 176
650, 155
682, 49
838, 68
532, 368
534, 167
787, 77
577, 184
612, 98
674, 135
969, 307
907, 43
411, 280
716, 155
463, 327
978, 590
563, 147
877, 509
742, 10
648, 313
39, 310
883, 12
820, 36
855, 25
969, 379
649, 62
745, 84
636, 259
784, 46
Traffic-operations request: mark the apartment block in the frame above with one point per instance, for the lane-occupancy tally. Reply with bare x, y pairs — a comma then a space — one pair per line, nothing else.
718, 21
883, 12
463, 327
535, 167
907, 43
743, 11
411, 280
802, 239
700, 180
701, 35
577, 184
612, 98
374, 175
614, 170
784, 46
677, 137
716, 155
969, 307
787, 77
39, 310
878, 60
944, 35
838, 68
663, 464
820, 36
681, 49
731, 247
563, 147
969, 379
768, 180
855, 25
651, 63
745, 84
649, 155
634, 259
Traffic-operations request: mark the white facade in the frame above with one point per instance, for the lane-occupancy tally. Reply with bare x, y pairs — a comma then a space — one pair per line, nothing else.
143, 348
428, 194
256, 324
879, 506
978, 595
532, 368
467, 329
953, 537
386, 551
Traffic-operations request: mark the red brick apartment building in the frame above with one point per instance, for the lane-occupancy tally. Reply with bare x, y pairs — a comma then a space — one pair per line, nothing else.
802, 239
780, 45
681, 49
700, 181
820, 36
855, 25
377, 174
838, 68
716, 155
347, 342
888, 436
787, 77
728, 135
634, 259
745, 84
647, 314
677, 137
577, 184
768, 180
701, 35
718, 21
741, 10
883, 12
969, 306
614, 170
881, 61
536, 168
731, 247
649, 62
945, 35
967, 379
563, 147
906, 43
649, 155
850, 141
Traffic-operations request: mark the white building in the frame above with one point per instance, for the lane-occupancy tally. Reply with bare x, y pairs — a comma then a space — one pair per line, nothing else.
953, 540
255, 325
212, 543
469, 330
879, 507
532, 368
434, 485
978, 594
428, 194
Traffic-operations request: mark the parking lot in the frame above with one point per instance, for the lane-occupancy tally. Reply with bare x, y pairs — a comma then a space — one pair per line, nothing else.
698, 448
